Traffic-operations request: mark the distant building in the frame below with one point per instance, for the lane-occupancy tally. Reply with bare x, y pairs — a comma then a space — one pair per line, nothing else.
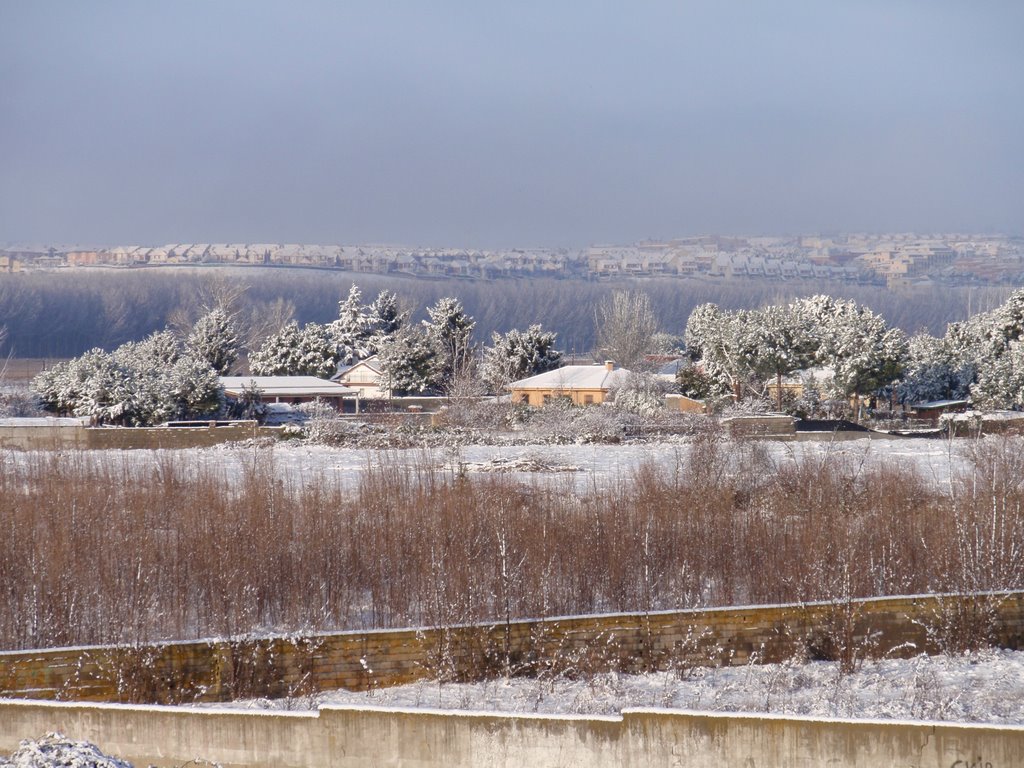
364, 377
290, 389
579, 384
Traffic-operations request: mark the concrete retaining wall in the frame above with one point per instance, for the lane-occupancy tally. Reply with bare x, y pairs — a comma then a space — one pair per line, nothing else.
277, 667
363, 738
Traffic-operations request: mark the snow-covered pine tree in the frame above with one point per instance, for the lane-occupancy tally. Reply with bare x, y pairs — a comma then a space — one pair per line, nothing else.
518, 355
934, 371
450, 330
725, 344
1000, 382
214, 338
293, 351
353, 330
156, 350
408, 362
192, 389
780, 344
386, 316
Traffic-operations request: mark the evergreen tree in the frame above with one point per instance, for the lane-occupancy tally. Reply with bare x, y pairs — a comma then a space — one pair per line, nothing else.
214, 338
450, 330
353, 330
408, 362
724, 343
386, 316
1000, 382
780, 344
294, 351
518, 355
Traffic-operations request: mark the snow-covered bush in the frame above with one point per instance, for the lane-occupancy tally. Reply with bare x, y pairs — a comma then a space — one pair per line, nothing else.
562, 422
323, 424
486, 414
16, 402
56, 751
642, 395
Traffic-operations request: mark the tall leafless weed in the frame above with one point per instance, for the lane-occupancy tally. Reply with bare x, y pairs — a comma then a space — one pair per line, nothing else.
101, 551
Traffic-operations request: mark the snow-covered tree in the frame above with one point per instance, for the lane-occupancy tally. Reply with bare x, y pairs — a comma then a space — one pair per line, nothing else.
386, 316
139, 383
293, 351
214, 338
693, 381
1000, 381
855, 342
934, 371
157, 350
625, 328
780, 344
353, 330
450, 330
724, 343
518, 355
90, 385
192, 388
865, 355
1008, 320
408, 362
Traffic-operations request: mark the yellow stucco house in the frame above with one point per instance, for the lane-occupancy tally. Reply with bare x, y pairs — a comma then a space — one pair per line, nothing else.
580, 384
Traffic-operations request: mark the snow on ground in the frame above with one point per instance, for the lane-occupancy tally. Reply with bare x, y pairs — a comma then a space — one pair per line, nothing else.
55, 751
986, 687
594, 465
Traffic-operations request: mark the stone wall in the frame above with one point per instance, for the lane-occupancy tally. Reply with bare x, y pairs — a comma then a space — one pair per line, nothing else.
219, 670
363, 738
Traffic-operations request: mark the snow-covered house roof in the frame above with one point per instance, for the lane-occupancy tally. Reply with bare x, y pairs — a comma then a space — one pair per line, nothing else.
285, 386
575, 377
670, 368
940, 403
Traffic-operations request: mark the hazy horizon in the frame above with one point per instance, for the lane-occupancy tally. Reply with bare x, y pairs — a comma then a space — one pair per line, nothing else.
528, 124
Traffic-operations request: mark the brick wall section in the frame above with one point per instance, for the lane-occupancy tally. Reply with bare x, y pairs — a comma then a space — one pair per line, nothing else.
281, 666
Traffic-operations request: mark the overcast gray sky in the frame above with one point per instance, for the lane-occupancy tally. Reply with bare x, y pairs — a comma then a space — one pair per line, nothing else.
519, 123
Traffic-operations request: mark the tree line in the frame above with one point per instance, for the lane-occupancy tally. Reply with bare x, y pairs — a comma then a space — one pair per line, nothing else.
744, 352
172, 374
63, 314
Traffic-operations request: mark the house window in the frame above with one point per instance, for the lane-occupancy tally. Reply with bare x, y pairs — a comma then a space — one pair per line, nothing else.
588, 399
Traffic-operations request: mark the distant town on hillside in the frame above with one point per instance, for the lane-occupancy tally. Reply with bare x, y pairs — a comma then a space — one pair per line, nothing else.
892, 260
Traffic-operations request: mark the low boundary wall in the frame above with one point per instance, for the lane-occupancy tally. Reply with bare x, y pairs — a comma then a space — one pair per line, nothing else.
276, 667
77, 437
350, 738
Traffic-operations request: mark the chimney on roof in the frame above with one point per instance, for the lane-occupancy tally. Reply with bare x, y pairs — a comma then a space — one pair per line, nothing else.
609, 365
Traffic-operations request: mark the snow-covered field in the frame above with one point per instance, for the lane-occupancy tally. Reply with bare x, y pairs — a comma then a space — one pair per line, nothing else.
595, 465
985, 687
